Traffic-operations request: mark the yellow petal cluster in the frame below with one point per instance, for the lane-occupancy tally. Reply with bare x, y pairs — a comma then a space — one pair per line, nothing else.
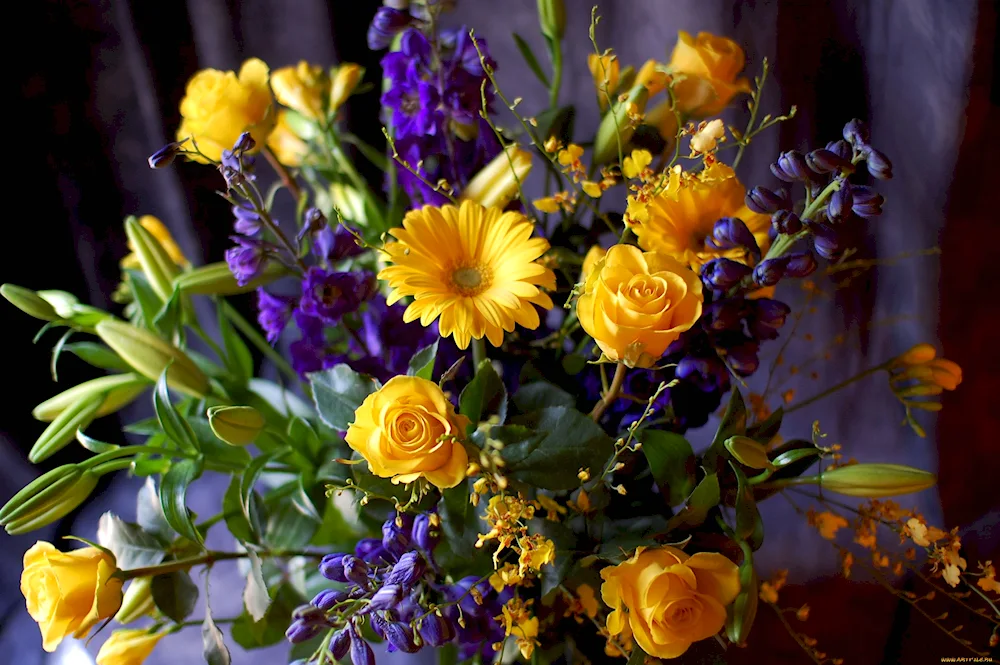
710, 66
635, 304
219, 106
408, 430
159, 231
286, 145
303, 88
128, 647
668, 599
474, 268
68, 593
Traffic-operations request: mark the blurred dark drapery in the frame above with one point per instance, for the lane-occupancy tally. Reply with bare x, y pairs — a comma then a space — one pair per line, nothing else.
97, 86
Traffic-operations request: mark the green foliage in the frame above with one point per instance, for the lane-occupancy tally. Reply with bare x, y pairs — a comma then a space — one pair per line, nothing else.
175, 594
483, 395
540, 394
173, 425
749, 526
422, 362
706, 495
338, 392
132, 546
173, 493
530, 59
672, 463
251, 634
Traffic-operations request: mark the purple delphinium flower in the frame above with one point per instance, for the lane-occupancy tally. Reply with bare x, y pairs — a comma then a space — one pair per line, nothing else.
329, 295
246, 259
247, 220
334, 244
273, 313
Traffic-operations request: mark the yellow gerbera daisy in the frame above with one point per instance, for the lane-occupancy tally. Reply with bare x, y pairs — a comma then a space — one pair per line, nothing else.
474, 267
679, 219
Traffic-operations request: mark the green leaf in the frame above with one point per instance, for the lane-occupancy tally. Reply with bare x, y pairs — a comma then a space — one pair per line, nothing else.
97, 355
255, 597
288, 528
485, 393
734, 421
173, 493
147, 302
132, 547
704, 497
768, 429
422, 362
338, 392
557, 122
168, 320
531, 60
540, 394
174, 425
213, 644
149, 512
672, 463
637, 657
749, 525
239, 360
247, 482
215, 450
304, 439
459, 522
243, 529
93, 445
563, 442
174, 594
271, 628
741, 614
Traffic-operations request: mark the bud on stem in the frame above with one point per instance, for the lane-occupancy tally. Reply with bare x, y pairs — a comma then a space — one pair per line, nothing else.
28, 302
497, 183
150, 356
47, 499
215, 279
156, 264
869, 481
117, 390
63, 427
616, 127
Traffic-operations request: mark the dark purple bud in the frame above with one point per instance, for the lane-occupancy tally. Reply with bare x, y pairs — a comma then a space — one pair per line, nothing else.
408, 569
878, 165
724, 314
355, 570
743, 359
233, 177
247, 220
765, 201
312, 221
771, 312
247, 259
867, 202
436, 630
840, 148
378, 623
340, 644
791, 167
400, 635
786, 221
421, 532
371, 551
730, 232
244, 143
335, 244
839, 205
394, 539
701, 372
328, 598
856, 133
386, 597
723, 274
770, 271
301, 631
387, 23
801, 264
332, 567
165, 156
827, 242
308, 613
361, 653
827, 161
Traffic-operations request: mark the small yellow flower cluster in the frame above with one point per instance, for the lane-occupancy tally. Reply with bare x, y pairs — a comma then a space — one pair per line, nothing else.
827, 523
507, 517
706, 138
570, 160
769, 588
583, 604
521, 624
919, 373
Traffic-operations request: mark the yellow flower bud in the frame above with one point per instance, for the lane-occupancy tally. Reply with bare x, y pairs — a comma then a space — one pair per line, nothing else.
28, 302
63, 427
652, 77
128, 647
48, 498
236, 425
149, 355
215, 279
497, 183
162, 234
710, 66
117, 389
617, 128
872, 481
748, 452
302, 88
68, 593
138, 601
345, 81
918, 355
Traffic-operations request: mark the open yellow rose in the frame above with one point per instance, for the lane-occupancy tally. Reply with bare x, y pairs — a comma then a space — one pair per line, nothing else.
710, 65
666, 599
128, 647
635, 304
219, 106
408, 430
69, 592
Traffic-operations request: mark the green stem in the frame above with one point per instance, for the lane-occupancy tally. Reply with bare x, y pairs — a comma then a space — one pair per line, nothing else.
252, 334
283, 173
478, 353
345, 165
785, 242
207, 559
612, 393
555, 52
835, 388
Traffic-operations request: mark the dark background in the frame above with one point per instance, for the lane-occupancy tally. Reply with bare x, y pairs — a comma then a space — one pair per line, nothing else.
94, 87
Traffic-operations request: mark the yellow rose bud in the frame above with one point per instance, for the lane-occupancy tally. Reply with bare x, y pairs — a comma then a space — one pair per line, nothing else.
285, 143
635, 304
159, 231
137, 602
652, 77
748, 452
873, 481
303, 88
710, 65
590, 261
28, 302
48, 498
149, 355
117, 389
668, 599
606, 72
408, 430
345, 81
215, 279
128, 647
617, 126
236, 425
497, 183
219, 106
68, 593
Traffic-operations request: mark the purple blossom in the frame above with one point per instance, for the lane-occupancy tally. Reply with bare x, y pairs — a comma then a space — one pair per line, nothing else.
329, 295
273, 313
246, 259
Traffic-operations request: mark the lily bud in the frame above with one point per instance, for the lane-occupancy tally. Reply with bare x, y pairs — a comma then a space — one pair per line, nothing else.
552, 17
873, 481
215, 279
63, 428
344, 82
748, 452
156, 263
137, 602
236, 425
917, 355
28, 302
149, 355
497, 183
68, 307
349, 202
616, 126
48, 498
117, 390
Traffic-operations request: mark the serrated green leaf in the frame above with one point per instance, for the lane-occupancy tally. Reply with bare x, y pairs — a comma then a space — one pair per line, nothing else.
213, 644
173, 424
672, 462
255, 597
338, 392
132, 546
174, 594
422, 362
484, 394
531, 60
173, 497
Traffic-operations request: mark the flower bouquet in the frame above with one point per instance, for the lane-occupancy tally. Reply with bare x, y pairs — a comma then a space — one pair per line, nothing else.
475, 434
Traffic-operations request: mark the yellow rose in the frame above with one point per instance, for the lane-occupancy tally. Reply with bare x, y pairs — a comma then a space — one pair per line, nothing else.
590, 261
667, 599
69, 592
219, 106
285, 143
634, 304
345, 81
159, 231
303, 88
679, 220
710, 65
128, 647
408, 430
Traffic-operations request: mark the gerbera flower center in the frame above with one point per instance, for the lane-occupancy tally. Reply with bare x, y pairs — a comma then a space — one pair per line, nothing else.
471, 280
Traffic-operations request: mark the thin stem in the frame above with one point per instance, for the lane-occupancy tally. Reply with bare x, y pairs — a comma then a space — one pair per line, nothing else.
557, 71
283, 173
612, 393
252, 334
794, 634
753, 116
208, 559
785, 242
198, 622
478, 353
835, 388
